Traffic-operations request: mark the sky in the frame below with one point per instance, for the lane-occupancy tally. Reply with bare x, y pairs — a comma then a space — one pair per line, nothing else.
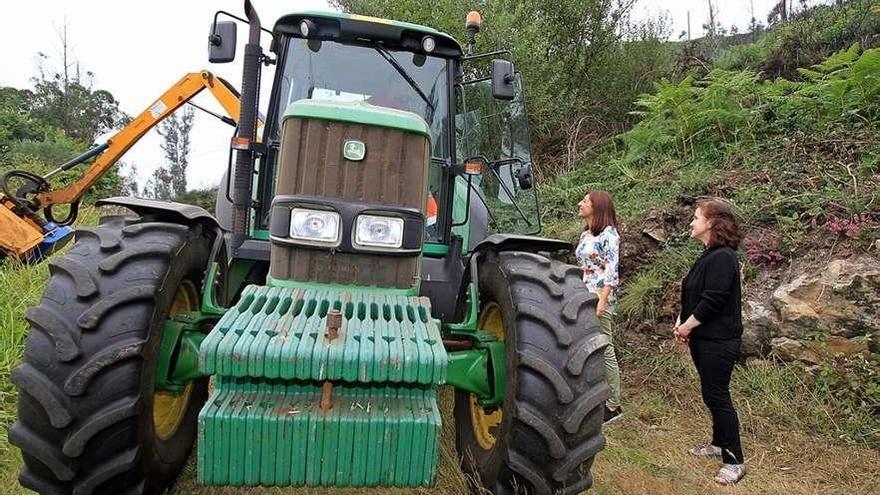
137, 50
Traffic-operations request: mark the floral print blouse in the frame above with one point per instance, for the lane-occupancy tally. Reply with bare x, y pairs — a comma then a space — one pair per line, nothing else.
598, 256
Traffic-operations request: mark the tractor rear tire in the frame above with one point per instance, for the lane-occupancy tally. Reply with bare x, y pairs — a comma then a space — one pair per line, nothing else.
551, 417
86, 422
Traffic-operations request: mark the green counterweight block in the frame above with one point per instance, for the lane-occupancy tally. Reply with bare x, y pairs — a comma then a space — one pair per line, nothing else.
322, 387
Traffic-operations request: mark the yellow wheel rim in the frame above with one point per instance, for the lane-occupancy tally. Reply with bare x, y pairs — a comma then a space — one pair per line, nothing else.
482, 422
169, 409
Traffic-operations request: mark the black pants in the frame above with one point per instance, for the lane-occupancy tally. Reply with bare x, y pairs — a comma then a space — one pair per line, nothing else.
714, 360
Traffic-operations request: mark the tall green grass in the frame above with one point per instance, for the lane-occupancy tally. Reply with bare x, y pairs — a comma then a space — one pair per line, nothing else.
20, 287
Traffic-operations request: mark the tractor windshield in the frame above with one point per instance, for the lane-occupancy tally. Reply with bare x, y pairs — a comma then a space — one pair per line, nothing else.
328, 70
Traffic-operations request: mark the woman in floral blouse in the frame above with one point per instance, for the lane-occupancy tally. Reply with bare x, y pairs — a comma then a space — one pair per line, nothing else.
598, 252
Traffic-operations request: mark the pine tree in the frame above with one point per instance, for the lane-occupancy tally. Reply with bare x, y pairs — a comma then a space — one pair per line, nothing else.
170, 179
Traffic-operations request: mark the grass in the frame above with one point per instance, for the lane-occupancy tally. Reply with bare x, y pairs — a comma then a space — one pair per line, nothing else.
22, 286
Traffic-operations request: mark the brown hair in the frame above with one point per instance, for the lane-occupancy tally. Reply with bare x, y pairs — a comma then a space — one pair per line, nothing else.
723, 227
603, 212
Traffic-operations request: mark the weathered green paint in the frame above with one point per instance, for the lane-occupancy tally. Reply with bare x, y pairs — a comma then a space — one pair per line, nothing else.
272, 354
498, 358
468, 371
186, 368
278, 332
236, 275
358, 113
274, 433
482, 370
468, 326
181, 338
209, 301
418, 28
260, 234
435, 250
293, 284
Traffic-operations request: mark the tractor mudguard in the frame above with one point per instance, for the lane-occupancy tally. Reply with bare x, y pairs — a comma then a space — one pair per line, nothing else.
168, 210
527, 243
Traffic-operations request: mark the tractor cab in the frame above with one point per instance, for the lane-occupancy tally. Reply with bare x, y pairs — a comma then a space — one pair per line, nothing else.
379, 65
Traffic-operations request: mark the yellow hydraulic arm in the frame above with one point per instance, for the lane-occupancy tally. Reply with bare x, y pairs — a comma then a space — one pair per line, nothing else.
20, 233
185, 89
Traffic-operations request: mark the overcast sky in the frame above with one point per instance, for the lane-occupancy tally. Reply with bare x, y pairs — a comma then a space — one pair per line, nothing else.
136, 50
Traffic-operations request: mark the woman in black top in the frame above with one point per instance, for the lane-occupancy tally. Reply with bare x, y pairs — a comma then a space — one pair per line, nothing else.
711, 312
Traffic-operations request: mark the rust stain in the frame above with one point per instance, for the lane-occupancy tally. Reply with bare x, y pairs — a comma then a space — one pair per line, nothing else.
334, 322
326, 403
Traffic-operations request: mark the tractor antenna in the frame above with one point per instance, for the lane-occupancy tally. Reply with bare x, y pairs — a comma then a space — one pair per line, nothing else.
472, 24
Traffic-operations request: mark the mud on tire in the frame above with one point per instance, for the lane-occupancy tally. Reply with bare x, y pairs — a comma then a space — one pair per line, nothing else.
552, 412
85, 410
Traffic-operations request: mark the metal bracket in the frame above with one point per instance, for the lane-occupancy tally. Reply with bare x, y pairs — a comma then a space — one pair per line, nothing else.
177, 362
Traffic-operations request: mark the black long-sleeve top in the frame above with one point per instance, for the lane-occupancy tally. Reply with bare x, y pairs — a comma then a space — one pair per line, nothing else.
711, 292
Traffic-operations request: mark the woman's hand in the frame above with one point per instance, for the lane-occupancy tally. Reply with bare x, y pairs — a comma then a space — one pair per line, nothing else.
601, 306
682, 333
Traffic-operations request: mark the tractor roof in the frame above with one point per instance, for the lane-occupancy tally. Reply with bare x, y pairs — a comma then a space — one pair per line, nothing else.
353, 27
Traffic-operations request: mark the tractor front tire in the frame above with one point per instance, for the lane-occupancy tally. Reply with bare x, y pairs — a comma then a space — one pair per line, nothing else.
90, 420
543, 438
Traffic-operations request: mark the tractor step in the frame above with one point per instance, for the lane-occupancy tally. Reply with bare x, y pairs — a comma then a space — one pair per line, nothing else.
277, 434
322, 387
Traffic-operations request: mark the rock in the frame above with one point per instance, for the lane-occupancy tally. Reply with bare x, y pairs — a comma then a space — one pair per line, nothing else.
788, 349
662, 225
841, 298
656, 233
841, 346
759, 325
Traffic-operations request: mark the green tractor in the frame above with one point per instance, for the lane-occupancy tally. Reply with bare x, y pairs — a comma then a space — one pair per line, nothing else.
375, 242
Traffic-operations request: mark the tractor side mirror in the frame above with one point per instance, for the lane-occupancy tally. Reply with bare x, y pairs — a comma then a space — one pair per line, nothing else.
221, 42
525, 178
502, 79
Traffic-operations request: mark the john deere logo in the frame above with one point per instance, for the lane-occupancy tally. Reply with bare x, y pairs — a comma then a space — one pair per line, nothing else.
354, 150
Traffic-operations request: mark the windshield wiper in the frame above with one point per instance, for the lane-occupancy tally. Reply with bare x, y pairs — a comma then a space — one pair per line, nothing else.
403, 73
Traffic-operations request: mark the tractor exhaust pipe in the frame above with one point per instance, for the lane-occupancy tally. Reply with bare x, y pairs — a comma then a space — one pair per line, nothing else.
246, 135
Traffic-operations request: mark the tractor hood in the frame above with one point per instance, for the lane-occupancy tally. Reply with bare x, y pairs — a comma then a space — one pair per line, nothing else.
350, 195
358, 113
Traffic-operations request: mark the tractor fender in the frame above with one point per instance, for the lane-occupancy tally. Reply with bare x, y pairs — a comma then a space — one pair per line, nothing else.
167, 210
527, 243
183, 214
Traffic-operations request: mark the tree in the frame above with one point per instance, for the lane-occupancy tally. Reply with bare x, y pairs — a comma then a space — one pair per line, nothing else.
16, 123
129, 185
175, 131
66, 99
159, 186
568, 52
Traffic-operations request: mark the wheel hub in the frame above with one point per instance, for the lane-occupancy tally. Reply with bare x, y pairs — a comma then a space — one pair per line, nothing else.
169, 406
485, 423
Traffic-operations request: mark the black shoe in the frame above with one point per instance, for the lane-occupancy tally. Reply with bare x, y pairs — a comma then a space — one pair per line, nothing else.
612, 415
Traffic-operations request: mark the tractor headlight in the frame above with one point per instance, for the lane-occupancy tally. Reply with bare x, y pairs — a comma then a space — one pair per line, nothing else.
315, 226
374, 231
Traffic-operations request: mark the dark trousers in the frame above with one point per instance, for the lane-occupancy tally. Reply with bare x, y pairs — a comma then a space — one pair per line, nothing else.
714, 360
